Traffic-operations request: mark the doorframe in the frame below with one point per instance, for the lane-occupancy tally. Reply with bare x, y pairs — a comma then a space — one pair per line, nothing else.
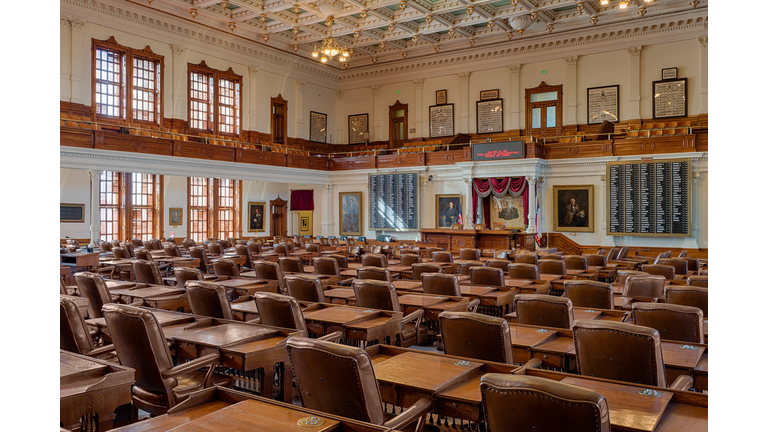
392, 109
544, 88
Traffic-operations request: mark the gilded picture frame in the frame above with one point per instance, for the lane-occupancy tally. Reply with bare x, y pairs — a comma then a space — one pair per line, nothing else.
444, 216
175, 216
350, 214
257, 216
574, 208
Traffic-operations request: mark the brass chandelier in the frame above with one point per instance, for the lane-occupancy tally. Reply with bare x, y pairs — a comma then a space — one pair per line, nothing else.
330, 48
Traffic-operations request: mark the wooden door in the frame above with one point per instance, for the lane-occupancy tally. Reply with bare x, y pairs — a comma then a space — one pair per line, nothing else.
398, 124
279, 120
544, 111
278, 213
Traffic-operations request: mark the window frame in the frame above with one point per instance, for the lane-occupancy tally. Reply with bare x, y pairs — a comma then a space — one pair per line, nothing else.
213, 207
216, 75
125, 207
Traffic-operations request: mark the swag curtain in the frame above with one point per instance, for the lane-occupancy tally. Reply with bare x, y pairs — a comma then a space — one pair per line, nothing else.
499, 187
302, 200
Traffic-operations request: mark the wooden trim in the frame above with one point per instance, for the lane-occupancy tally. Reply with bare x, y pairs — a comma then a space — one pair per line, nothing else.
544, 88
217, 74
274, 101
392, 108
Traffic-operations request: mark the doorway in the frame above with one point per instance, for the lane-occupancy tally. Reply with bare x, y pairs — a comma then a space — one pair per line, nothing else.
398, 124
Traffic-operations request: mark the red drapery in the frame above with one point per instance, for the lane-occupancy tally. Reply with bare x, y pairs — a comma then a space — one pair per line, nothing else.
302, 200
498, 187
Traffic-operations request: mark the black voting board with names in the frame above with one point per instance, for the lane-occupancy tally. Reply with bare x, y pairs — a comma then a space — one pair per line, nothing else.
649, 198
394, 201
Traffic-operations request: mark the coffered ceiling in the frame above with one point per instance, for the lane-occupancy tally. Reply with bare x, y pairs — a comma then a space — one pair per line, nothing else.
381, 31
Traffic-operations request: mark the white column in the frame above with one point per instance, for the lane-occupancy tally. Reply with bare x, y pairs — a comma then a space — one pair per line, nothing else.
377, 114
178, 85
704, 75
469, 217
464, 102
65, 55
95, 216
513, 110
253, 98
571, 91
79, 59
341, 137
327, 224
300, 132
634, 82
531, 204
418, 107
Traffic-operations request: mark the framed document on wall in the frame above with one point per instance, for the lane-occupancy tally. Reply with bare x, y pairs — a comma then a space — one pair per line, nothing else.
489, 94
441, 97
441, 120
490, 116
71, 212
670, 98
318, 124
358, 125
669, 73
602, 104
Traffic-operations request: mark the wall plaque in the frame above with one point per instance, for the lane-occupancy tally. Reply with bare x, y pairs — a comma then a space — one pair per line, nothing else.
489, 94
490, 118
441, 97
603, 104
441, 120
318, 125
670, 98
71, 212
358, 126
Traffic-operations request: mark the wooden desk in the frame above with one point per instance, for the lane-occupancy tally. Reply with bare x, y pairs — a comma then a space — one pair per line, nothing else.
341, 296
155, 296
80, 260
248, 286
91, 390
455, 239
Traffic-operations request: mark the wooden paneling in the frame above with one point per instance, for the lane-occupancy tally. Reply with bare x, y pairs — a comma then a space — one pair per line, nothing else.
578, 150
565, 244
399, 160
262, 157
445, 157
353, 163
702, 142
307, 162
74, 109
488, 239
656, 145
76, 137
134, 143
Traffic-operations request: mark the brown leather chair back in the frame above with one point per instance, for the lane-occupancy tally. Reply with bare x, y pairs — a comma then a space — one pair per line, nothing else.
242, 250
613, 254
645, 286
498, 263
374, 273
432, 250
128, 246
408, 260
622, 275
689, 296
290, 265
215, 249
184, 274
556, 267
199, 253
544, 310
209, 299
470, 254
336, 379
589, 294
341, 259
137, 243
324, 241
93, 287
75, 336
703, 272
280, 311
143, 254
351, 241
334, 242
115, 243
682, 254
680, 265
374, 260
466, 266
441, 284
482, 337
596, 260
188, 243
699, 281
575, 262
270, 271
171, 249
623, 252
105, 246
254, 248
440, 256
489, 276
527, 259
673, 322
312, 248
376, 294
224, 244
376, 249
304, 288
422, 268
225, 267
147, 272
523, 271
531, 402
693, 264
551, 257
619, 351
326, 266
281, 250
120, 253
62, 286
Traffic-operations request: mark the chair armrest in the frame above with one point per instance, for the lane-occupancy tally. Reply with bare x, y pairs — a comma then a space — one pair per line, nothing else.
185, 368
531, 364
254, 321
100, 350
346, 282
332, 337
415, 412
413, 316
682, 383
472, 306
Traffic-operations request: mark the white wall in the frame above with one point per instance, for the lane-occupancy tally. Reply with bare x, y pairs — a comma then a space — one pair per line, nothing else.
75, 188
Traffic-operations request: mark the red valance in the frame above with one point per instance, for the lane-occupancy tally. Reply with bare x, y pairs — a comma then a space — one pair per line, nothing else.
302, 200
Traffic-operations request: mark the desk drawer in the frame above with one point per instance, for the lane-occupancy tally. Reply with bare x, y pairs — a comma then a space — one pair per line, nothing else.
521, 354
459, 409
551, 360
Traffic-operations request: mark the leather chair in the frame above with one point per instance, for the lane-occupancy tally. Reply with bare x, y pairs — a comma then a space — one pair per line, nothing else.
341, 259
153, 244
354, 253
305, 288
470, 254
689, 296
147, 272
137, 243
324, 241
682, 254
575, 262
225, 267
376, 249
408, 260
203, 264
242, 250
270, 271
128, 246
699, 281
530, 403
613, 254
659, 269
622, 352
440, 256
498, 263
544, 310
224, 244
280, 311
184, 274
422, 268
680, 265
120, 252
188, 243
290, 265
623, 252
340, 380
171, 249
650, 286
115, 243
351, 241
92, 287
75, 336
440, 284
503, 255
209, 299
589, 294
254, 248
281, 250
596, 260
523, 271
556, 267
334, 242
144, 254
527, 259
673, 322
467, 265
313, 248
551, 257
488, 276
382, 295
327, 266
704, 272
621, 279
141, 345
105, 246
374, 273
429, 252
478, 336
215, 249
374, 260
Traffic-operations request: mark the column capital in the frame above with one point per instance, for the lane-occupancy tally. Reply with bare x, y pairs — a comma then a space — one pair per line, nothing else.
95, 174
703, 40
515, 69
634, 51
464, 76
78, 23
66, 20
572, 61
300, 84
339, 94
418, 83
253, 71
376, 89
178, 50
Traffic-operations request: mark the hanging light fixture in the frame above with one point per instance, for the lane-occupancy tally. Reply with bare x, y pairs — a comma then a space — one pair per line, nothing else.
623, 4
520, 23
330, 48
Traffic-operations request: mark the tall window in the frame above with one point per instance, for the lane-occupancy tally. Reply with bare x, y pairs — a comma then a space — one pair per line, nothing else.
142, 206
109, 205
129, 206
214, 100
127, 84
214, 208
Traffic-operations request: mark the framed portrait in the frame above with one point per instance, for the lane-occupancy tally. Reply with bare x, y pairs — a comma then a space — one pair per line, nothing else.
574, 208
318, 125
350, 216
670, 98
508, 212
256, 216
71, 212
358, 128
175, 216
304, 223
441, 121
441, 97
489, 94
669, 73
602, 104
448, 208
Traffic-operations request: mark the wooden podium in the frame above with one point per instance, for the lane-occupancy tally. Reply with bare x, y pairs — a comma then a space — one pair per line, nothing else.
455, 239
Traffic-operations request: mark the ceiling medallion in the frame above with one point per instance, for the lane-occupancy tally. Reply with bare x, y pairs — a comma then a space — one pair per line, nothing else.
193, 12
330, 7
363, 14
580, 7
535, 16
415, 38
437, 49
520, 23
346, 65
514, 2
428, 19
263, 17
491, 24
296, 9
224, 4
510, 35
356, 34
391, 28
232, 26
295, 31
373, 59
382, 44
403, 5
641, 11
451, 31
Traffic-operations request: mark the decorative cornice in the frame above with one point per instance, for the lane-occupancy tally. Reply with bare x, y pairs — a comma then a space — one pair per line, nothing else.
66, 21
300, 84
339, 94
253, 71
78, 23
418, 83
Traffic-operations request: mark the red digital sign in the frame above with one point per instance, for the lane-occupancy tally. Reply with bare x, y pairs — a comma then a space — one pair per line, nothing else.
498, 150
